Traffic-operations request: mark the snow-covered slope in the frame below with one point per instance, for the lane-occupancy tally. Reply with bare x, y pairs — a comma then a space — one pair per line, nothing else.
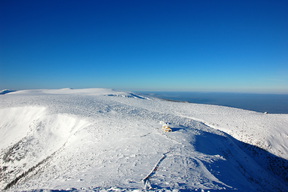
101, 139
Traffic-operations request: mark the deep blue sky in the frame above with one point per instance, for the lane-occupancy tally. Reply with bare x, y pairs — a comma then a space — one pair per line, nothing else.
216, 45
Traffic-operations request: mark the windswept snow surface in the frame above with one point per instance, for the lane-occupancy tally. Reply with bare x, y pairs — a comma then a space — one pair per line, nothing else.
105, 140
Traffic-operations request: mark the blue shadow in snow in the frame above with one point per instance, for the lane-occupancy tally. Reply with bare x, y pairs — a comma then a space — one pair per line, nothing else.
5, 91
249, 162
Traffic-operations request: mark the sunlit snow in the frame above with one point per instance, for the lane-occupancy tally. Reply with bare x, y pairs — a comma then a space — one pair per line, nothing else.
101, 139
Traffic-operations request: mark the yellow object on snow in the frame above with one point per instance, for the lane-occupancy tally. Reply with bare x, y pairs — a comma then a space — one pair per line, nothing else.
166, 128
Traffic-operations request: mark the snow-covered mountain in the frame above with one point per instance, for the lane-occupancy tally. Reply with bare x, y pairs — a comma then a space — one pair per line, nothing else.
101, 139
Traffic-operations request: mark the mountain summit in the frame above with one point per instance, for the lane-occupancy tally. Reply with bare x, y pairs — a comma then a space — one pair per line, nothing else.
107, 140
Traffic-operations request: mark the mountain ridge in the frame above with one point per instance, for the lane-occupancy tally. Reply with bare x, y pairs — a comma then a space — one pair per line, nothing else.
102, 139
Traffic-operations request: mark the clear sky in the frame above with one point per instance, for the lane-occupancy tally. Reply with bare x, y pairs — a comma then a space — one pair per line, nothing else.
187, 45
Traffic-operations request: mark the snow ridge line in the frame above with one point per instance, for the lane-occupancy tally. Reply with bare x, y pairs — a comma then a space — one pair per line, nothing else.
146, 181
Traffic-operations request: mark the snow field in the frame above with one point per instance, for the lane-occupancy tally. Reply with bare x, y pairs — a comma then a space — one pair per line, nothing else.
100, 139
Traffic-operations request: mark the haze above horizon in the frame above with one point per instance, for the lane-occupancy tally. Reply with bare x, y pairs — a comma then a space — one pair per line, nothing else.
200, 45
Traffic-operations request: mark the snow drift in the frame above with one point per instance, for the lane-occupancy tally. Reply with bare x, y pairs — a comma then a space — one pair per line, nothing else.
29, 137
101, 139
